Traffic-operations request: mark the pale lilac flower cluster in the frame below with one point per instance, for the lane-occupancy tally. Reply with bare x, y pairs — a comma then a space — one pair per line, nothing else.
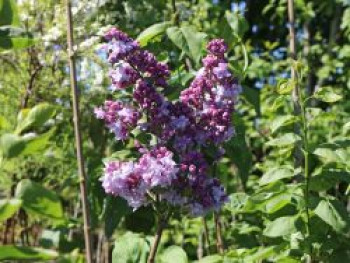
201, 117
138, 181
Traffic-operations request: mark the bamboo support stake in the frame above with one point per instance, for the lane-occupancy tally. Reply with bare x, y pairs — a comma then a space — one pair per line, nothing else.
76, 120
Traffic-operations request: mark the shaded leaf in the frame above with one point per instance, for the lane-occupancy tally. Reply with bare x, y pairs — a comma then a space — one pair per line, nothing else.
11, 145
252, 95
114, 210
8, 13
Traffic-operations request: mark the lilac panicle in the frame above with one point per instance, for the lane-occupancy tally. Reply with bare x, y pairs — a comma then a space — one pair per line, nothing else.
201, 117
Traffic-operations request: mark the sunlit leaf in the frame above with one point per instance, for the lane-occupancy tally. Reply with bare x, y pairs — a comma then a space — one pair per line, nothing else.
39, 200
11, 252
8, 207
327, 94
333, 213
285, 140
130, 248
173, 254
151, 32
281, 226
36, 117
276, 174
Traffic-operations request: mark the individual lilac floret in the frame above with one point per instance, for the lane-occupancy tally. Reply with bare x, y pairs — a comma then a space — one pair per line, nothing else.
119, 117
122, 76
158, 168
123, 179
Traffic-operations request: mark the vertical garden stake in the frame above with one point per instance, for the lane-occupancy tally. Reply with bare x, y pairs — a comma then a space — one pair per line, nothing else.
301, 148
295, 94
80, 160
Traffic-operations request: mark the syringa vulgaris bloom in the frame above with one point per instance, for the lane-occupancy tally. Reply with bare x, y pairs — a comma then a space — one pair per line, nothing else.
174, 169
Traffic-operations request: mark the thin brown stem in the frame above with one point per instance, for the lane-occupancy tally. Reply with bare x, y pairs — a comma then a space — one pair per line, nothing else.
76, 120
154, 248
219, 240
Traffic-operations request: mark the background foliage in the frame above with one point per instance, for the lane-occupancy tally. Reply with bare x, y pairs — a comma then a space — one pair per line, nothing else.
40, 208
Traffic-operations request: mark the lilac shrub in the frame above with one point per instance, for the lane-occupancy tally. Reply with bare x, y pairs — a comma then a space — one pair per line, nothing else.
173, 170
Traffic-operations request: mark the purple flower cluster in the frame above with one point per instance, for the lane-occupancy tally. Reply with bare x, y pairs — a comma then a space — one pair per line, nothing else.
134, 181
201, 117
212, 95
120, 118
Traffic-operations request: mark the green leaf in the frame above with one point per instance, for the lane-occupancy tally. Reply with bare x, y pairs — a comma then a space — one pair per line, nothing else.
8, 208
238, 23
130, 248
285, 140
8, 13
328, 179
142, 220
14, 38
11, 145
285, 86
36, 117
189, 40
238, 151
237, 202
37, 144
277, 202
333, 213
327, 94
282, 226
24, 253
211, 259
276, 174
115, 208
151, 32
263, 253
4, 124
252, 95
39, 200
282, 121
173, 254
327, 155
195, 41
